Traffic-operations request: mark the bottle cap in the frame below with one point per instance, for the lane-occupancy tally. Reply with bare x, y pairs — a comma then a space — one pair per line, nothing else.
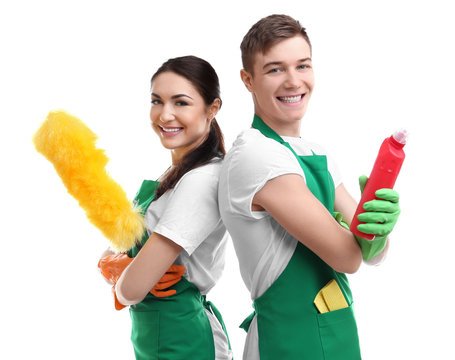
401, 136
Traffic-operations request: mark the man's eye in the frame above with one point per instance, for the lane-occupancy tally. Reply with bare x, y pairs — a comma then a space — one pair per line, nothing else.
274, 70
304, 66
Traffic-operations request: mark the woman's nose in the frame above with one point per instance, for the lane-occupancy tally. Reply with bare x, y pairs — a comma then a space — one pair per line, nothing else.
167, 114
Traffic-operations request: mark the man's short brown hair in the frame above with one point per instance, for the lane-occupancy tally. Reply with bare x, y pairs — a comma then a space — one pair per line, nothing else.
267, 32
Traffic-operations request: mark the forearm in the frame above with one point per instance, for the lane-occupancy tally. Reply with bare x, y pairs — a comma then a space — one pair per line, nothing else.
107, 252
378, 259
289, 201
346, 205
147, 268
332, 243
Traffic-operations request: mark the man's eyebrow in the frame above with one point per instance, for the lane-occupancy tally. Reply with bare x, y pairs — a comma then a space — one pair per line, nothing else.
173, 96
278, 63
272, 63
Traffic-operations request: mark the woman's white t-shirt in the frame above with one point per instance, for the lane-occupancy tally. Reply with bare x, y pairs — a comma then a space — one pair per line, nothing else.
189, 215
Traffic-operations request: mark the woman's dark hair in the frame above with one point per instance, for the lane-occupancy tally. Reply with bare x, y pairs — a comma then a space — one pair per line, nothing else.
204, 78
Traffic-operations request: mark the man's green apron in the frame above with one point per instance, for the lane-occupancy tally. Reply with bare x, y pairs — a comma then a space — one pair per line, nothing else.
289, 325
174, 327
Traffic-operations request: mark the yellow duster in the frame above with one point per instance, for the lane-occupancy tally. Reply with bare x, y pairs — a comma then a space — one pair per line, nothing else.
70, 146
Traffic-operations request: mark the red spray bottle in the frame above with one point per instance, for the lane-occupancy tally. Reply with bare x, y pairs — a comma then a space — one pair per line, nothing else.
384, 174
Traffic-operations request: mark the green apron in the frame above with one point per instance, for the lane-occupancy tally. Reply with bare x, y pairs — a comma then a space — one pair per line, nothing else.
174, 327
289, 325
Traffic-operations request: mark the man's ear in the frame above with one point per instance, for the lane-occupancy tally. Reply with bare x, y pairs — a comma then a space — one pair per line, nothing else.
247, 79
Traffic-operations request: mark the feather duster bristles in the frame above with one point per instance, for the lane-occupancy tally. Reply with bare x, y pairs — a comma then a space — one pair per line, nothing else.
70, 146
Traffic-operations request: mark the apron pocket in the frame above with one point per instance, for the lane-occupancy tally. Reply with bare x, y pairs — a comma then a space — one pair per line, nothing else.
145, 334
339, 337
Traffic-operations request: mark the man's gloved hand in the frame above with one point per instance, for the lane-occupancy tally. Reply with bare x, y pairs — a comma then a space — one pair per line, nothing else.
380, 217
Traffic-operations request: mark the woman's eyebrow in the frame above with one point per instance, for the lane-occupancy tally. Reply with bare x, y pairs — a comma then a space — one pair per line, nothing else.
173, 96
181, 95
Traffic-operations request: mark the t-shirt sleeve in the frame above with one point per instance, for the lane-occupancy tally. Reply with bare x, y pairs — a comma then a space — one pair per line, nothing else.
249, 169
191, 212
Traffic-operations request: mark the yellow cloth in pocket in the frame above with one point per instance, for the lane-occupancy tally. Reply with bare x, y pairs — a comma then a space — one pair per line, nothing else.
330, 298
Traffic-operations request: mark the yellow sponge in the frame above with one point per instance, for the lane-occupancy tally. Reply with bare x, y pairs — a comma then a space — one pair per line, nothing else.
330, 298
70, 146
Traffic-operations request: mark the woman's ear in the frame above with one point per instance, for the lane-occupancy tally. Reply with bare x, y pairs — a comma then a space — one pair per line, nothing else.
214, 108
247, 79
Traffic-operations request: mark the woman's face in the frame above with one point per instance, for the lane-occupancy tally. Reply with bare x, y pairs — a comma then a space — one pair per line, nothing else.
179, 114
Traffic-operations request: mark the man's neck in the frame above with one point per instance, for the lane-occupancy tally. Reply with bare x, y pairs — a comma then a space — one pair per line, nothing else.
282, 128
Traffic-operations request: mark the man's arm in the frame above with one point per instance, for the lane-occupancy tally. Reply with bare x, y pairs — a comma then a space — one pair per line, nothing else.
346, 205
289, 201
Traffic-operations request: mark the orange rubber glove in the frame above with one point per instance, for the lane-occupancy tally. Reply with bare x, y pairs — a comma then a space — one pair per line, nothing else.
112, 266
171, 277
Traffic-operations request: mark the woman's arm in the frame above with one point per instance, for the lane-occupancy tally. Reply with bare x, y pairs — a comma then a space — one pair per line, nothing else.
107, 252
289, 201
147, 268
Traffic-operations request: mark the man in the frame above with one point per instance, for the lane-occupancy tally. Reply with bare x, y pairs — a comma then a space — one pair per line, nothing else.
278, 195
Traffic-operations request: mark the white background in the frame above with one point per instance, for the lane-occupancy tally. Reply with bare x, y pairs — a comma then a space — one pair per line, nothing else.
379, 66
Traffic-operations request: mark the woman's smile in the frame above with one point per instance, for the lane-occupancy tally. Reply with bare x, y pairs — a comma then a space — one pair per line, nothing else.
170, 131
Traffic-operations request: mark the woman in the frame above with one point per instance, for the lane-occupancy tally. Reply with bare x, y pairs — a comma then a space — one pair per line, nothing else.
182, 255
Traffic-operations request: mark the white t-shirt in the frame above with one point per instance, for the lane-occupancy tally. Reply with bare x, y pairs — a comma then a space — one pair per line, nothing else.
188, 215
263, 246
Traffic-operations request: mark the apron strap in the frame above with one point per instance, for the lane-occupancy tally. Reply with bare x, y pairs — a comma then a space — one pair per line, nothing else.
212, 308
245, 325
267, 131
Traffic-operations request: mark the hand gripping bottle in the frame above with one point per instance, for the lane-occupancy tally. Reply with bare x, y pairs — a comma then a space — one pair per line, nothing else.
384, 174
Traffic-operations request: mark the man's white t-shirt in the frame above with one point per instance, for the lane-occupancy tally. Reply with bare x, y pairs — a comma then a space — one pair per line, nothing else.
263, 246
189, 215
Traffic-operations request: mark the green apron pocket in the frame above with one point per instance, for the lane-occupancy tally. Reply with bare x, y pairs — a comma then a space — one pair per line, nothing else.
339, 337
145, 334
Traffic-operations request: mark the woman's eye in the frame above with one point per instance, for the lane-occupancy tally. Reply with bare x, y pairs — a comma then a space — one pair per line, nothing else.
156, 102
181, 103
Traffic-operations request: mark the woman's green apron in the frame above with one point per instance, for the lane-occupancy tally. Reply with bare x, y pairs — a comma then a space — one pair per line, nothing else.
174, 327
289, 325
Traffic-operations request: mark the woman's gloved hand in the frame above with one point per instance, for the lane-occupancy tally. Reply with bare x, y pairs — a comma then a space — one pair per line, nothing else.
380, 217
112, 266
171, 277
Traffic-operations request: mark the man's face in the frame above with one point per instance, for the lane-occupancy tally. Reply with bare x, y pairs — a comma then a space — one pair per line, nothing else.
282, 84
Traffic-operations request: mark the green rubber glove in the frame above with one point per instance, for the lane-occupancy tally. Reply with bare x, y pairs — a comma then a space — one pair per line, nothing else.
339, 218
380, 217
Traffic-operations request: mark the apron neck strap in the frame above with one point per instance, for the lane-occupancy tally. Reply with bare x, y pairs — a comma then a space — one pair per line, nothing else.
267, 131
